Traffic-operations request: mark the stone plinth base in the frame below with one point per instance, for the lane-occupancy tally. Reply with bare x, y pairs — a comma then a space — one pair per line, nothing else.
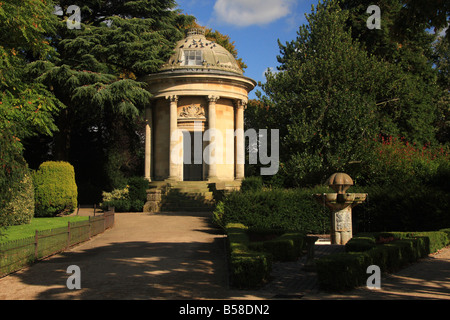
341, 226
153, 204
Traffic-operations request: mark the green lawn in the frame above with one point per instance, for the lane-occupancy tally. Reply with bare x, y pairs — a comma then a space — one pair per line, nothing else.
26, 230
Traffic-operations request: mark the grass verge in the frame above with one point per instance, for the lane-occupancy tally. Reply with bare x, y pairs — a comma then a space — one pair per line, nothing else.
26, 230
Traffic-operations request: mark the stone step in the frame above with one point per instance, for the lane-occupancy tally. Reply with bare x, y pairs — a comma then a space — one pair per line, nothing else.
192, 191
188, 209
186, 203
185, 196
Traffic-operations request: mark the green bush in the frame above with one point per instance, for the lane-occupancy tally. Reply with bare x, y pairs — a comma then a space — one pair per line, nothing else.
365, 241
403, 207
285, 247
248, 268
344, 271
20, 209
129, 199
55, 189
293, 209
447, 231
252, 252
254, 183
360, 244
407, 185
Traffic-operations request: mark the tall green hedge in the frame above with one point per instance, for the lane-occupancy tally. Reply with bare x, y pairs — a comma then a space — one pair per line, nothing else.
293, 209
55, 189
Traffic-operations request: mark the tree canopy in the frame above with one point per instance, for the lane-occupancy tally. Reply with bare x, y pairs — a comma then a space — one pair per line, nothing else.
74, 94
27, 108
335, 92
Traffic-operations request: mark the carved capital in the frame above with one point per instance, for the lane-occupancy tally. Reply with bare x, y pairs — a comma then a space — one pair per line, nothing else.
172, 98
213, 99
240, 104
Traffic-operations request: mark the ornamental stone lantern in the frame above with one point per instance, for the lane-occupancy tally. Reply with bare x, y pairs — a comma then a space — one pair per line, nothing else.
340, 205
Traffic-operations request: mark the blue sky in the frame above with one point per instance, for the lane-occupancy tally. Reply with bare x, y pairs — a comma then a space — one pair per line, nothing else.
254, 26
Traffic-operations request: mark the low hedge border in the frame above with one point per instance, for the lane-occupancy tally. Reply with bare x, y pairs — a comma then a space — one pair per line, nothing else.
366, 241
345, 271
251, 262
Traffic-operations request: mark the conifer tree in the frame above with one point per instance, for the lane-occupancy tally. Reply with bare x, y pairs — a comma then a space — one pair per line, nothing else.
96, 75
330, 97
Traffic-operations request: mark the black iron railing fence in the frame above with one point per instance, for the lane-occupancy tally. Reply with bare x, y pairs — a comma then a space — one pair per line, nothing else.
17, 254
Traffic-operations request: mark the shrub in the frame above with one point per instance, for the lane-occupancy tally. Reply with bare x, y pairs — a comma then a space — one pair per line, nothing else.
294, 210
360, 244
407, 185
251, 261
13, 167
284, 247
248, 268
20, 209
252, 184
403, 207
344, 271
447, 231
130, 198
55, 189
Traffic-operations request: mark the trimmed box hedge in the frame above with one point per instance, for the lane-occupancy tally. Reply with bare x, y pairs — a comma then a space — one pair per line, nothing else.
294, 209
248, 268
390, 251
56, 192
287, 246
251, 262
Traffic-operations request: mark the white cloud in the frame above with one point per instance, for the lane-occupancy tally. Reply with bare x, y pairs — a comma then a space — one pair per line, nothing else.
248, 12
271, 69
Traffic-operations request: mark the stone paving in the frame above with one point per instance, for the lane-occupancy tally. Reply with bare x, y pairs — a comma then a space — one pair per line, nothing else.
180, 256
291, 280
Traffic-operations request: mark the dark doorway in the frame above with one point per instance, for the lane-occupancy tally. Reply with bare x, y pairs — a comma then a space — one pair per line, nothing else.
192, 156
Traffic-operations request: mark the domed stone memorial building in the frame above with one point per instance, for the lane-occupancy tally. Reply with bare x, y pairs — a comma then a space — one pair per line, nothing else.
195, 124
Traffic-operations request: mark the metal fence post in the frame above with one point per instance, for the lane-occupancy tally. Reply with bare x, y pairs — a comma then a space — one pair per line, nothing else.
90, 227
68, 235
36, 240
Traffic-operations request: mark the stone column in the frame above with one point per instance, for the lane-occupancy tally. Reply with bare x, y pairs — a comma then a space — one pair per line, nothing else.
148, 143
173, 125
240, 142
212, 165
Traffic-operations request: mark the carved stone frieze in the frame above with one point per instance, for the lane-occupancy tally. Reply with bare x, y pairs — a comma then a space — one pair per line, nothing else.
192, 111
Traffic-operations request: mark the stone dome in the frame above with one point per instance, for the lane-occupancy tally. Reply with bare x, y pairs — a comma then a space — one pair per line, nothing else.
196, 53
340, 182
